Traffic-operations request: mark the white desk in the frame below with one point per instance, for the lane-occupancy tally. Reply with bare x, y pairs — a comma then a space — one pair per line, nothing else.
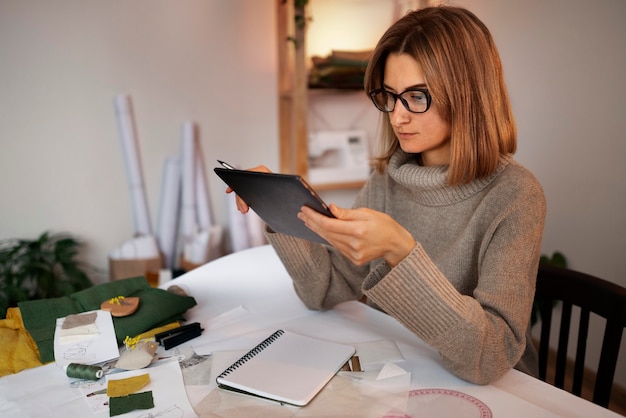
244, 295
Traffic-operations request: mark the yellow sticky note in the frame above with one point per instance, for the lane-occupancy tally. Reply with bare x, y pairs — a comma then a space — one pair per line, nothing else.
124, 387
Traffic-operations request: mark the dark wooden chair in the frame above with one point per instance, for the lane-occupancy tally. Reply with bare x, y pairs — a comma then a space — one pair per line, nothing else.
592, 295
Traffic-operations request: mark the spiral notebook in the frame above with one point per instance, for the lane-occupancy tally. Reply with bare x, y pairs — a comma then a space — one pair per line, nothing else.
286, 367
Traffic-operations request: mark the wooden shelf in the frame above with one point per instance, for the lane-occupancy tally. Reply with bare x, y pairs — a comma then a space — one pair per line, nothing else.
292, 86
293, 91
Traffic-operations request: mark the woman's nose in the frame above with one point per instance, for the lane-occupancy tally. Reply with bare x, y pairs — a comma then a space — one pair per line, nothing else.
399, 115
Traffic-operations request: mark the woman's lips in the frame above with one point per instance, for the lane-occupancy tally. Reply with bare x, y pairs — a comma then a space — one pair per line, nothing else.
404, 135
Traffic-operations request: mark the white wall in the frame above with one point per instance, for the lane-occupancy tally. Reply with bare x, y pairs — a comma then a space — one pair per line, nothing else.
213, 61
61, 64
565, 62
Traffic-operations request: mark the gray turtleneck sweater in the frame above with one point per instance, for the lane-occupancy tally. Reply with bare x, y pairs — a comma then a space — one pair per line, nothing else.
467, 287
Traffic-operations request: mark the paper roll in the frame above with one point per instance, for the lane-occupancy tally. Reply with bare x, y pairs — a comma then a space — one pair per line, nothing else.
240, 240
130, 148
203, 211
256, 229
188, 208
169, 208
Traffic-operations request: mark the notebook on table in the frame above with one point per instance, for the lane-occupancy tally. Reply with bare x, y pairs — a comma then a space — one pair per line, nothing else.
277, 199
286, 367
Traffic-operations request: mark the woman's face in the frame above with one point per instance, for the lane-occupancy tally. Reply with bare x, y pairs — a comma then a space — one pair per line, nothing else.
426, 133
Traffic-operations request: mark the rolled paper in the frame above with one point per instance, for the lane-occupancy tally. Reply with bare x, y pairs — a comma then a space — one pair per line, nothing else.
240, 240
256, 229
188, 208
203, 206
167, 223
130, 148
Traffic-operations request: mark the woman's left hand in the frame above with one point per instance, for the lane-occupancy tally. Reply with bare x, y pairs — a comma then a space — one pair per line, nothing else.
361, 235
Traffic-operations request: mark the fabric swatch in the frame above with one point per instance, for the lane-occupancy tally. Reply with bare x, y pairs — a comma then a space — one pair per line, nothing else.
77, 327
123, 387
138, 357
123, 404
73, 321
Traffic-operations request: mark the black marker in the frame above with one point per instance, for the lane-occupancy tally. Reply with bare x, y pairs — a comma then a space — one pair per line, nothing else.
226, 165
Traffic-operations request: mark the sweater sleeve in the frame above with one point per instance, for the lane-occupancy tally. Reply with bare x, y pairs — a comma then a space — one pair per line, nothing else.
321, 276
483, 335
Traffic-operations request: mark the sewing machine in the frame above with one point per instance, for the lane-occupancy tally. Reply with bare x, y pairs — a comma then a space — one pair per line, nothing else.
338, 156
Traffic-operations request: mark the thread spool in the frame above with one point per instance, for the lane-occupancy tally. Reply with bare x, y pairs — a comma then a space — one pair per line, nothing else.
84, 371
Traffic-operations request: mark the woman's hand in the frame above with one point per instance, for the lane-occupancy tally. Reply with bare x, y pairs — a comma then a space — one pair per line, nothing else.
241, 205
361, 235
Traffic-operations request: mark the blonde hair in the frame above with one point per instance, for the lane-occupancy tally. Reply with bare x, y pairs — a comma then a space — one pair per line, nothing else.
464, 75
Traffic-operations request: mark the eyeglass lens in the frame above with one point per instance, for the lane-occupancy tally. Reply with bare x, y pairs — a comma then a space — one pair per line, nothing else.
416, 101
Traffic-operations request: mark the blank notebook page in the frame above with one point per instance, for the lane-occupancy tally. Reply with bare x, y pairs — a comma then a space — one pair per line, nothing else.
286, 367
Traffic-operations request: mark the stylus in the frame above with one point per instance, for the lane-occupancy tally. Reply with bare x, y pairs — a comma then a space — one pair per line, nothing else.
226, 165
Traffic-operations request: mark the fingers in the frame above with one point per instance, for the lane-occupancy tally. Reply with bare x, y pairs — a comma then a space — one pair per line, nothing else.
361, 234
338, 212
241, 205
260, 168
338, 231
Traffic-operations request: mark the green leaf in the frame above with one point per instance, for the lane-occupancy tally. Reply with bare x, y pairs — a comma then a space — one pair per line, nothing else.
41, 268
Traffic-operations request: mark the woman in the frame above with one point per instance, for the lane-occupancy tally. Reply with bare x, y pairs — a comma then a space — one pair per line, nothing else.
445, 236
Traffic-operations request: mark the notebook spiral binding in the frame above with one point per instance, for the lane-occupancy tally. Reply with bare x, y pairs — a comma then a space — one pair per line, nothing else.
250, 354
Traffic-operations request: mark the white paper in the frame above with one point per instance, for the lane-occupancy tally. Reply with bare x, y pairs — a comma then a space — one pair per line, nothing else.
240, 240
203, 206
216, 236
196, 250
130, 148
390, 370
169, 208
256, 229
188, 208
136, 248
373, 354
90, 350
168, 391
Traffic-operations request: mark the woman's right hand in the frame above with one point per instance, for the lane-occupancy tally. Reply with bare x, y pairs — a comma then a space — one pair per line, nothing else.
241, 205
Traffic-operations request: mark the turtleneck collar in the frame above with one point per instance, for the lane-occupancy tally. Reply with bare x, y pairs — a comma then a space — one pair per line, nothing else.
429, 184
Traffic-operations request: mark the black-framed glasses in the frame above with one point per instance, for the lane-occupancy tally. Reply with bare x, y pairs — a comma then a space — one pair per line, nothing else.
414, 100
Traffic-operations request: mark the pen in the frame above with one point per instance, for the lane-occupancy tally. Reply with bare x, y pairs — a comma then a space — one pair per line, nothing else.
226, 165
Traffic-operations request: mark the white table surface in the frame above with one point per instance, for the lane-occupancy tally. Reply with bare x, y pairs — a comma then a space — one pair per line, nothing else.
244, 296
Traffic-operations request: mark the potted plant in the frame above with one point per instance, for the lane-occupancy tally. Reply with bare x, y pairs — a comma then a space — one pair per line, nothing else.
42, 268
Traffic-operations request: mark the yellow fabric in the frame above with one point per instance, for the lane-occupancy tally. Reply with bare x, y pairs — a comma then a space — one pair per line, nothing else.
18, 350
124, 387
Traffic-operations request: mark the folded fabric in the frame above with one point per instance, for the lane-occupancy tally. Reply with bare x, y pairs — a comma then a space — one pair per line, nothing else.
78, 327
157, 307
18, 351
78, 334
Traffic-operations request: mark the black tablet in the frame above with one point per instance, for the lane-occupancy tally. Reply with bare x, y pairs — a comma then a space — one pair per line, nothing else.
277, 199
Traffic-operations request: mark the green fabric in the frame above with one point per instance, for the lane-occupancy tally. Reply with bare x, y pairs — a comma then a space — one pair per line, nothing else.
156, 307
123, 404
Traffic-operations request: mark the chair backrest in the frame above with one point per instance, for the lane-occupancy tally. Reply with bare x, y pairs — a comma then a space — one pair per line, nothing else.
591, 294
